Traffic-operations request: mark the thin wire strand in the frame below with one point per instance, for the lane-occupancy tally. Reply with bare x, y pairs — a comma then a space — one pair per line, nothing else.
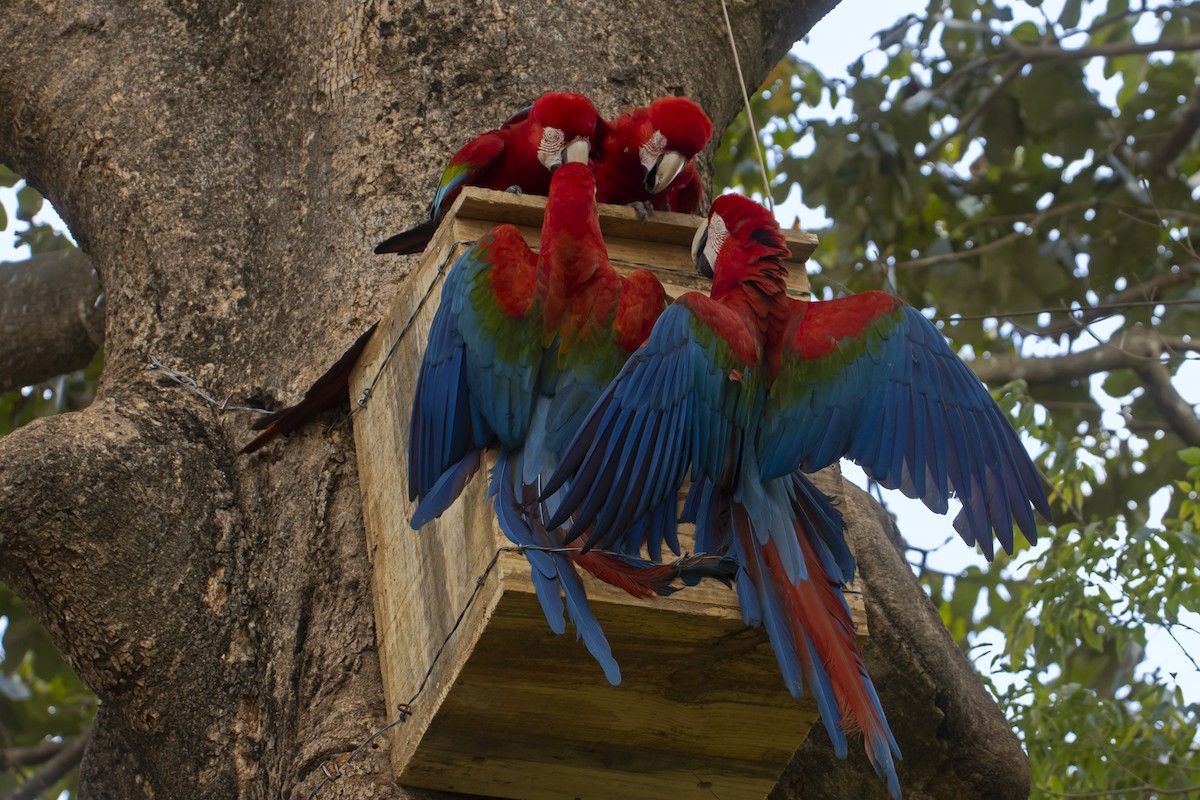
189, 383
1116, 307
441, 272
737, 62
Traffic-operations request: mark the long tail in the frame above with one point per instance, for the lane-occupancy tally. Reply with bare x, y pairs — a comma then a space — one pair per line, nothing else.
329, 391
408, 242
554, 575
806, 619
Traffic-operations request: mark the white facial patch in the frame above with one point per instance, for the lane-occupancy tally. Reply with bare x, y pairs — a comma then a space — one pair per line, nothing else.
717, 234
649, 152
551, 147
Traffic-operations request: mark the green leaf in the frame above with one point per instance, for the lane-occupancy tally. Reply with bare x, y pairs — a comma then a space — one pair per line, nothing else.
29, 202
1069, 17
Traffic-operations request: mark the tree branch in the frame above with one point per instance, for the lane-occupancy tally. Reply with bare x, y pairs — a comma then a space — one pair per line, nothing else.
1181, 136
1030, 55
1146, 290
1137, 348
11, 757
1155, 790
969, 118
96, 506
995, 244
1178, 413
1026, 55
51, 317
69, 754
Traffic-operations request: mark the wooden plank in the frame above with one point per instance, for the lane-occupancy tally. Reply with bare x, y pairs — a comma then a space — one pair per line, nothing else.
664, 241
510, 709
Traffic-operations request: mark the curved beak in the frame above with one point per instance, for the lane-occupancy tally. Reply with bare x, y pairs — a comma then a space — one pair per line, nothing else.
699, 242
578, 151
666, 169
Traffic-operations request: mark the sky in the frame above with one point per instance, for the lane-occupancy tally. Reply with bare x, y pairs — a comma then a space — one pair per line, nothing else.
835, 42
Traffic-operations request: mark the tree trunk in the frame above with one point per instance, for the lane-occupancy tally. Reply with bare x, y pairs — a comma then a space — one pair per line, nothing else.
228, 167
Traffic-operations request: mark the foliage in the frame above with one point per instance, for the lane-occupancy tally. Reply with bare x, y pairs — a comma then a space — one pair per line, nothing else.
976, 168
41, 699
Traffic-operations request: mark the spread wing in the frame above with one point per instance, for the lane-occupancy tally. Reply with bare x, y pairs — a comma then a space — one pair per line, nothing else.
870, 378
685, 398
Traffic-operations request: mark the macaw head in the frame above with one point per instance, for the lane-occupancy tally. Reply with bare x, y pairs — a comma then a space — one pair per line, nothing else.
681, 129
738, 235
568, 127
572, 249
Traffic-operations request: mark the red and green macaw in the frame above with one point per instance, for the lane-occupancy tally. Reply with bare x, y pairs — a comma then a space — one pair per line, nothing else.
646, 157
748, 386
520, 348
559, 127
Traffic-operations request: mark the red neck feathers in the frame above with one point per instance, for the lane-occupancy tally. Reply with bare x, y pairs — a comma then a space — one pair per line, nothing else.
573, 251
749, 271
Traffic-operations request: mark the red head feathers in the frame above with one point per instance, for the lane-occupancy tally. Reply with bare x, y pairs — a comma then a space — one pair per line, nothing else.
646, 156
740, 239
573, 114
682, 123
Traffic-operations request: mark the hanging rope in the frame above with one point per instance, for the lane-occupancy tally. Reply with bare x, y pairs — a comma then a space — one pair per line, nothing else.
737, 62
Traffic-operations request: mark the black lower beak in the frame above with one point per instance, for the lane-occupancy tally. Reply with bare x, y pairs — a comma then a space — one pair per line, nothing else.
702, 265
652, 175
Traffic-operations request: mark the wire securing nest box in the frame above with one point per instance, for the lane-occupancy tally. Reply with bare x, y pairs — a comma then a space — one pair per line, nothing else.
509, 708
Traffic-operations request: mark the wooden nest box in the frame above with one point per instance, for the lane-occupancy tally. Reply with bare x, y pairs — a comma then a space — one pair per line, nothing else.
510, 709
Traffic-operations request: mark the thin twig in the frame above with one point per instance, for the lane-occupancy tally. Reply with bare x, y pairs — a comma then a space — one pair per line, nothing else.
1117, 792
1175, 639
65, 760
969, 118
1031, 55
1117, 307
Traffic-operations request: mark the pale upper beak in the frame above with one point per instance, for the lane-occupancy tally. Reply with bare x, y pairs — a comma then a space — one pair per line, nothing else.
666, 168
578, 151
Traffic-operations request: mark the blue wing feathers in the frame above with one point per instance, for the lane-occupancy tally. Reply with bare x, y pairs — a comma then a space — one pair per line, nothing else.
897, 400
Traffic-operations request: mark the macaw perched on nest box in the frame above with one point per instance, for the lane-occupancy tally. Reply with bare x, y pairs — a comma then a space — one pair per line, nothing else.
519, 349
559, 127
647, 157
748, 386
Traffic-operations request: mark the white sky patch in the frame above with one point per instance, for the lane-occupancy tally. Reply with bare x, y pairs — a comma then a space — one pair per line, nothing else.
836, 41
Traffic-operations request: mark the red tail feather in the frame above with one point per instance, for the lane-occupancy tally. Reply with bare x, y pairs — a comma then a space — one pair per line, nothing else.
639, 582
329, 391
818, 611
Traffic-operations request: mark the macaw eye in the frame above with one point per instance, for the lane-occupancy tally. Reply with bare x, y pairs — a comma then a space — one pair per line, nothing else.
550, 148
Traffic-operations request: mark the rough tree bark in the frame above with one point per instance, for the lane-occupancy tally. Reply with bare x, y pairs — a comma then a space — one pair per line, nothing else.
51, 317
228, 167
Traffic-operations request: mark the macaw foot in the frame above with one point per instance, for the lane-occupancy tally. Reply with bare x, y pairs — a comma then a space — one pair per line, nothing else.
643, 209
515, 190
